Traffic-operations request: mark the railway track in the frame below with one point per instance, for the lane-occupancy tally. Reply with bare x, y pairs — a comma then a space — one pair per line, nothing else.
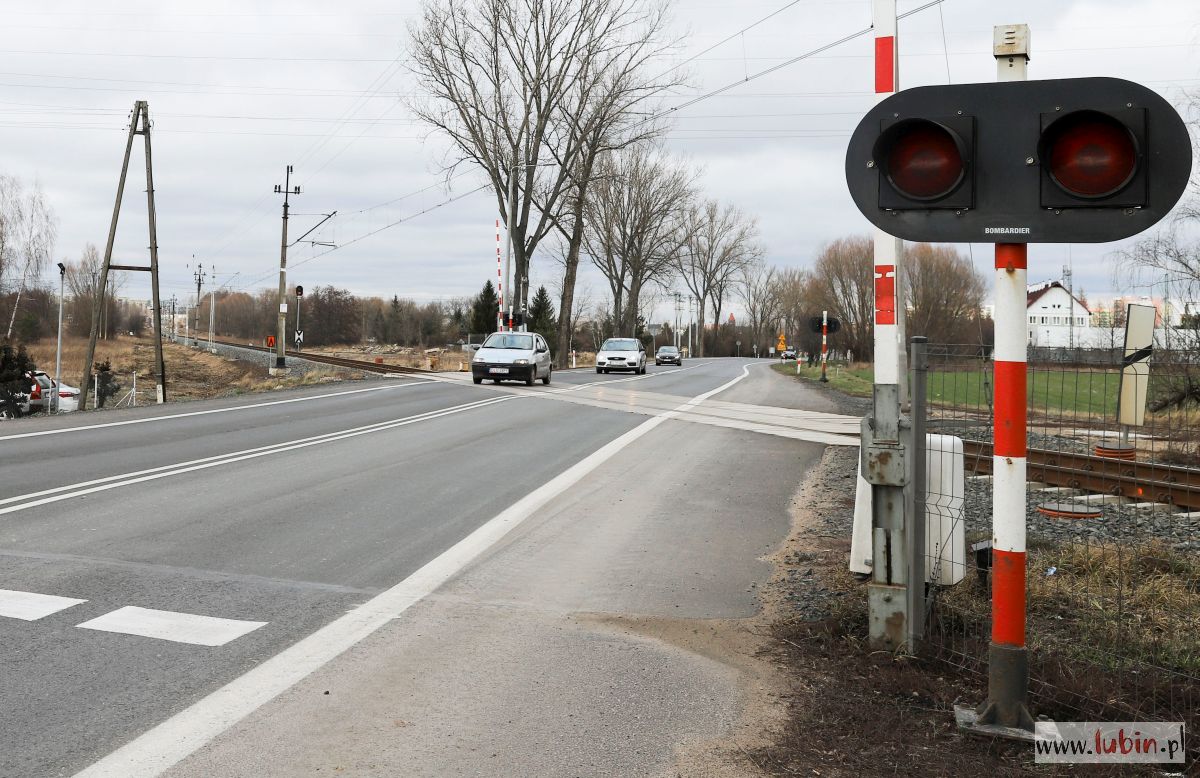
1140, 481
356, 364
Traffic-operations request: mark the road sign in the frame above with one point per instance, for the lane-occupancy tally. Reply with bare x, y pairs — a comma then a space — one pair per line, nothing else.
270, 341
1077, 160
299, 337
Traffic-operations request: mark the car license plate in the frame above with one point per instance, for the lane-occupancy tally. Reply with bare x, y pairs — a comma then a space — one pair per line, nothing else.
500, 370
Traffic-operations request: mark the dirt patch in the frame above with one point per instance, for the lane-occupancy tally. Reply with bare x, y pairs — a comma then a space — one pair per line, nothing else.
744, 644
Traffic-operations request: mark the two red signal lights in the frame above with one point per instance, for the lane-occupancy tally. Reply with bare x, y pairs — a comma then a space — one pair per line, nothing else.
1084, 160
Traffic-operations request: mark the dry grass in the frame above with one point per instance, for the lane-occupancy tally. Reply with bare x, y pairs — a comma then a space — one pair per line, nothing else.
191, 373
1114, 605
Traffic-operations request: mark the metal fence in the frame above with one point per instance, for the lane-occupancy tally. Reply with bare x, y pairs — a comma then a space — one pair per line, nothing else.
1113, 532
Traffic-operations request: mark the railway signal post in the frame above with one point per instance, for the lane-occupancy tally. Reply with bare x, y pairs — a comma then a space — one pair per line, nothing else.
1079, 160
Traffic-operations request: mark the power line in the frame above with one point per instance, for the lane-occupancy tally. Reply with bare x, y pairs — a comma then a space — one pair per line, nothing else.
666, 112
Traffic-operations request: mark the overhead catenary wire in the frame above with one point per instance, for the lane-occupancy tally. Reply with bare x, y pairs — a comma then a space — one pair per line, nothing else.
660, 114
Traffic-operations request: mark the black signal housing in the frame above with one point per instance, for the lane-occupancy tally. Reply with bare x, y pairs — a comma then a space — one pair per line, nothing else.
1080, 160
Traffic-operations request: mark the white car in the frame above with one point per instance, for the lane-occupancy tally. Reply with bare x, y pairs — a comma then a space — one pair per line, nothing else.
512, 356
621, 354
42, 391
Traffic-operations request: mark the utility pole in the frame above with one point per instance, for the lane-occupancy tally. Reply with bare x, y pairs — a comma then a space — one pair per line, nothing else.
212, 310
174, 324
139, 125
281, 324
199, 276
62, 276
1067, 277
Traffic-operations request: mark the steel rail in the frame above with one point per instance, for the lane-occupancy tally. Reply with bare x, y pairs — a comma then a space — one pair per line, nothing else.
373, 367
1138, 481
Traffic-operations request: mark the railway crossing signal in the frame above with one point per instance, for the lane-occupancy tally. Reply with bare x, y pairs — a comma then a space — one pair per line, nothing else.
299, 290
815, 324
1077, 160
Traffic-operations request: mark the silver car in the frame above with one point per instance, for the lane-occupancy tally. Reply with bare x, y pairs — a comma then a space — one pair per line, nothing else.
512, 356
621, 354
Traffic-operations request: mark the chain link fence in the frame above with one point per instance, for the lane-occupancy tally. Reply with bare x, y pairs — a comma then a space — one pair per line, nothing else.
1113, 531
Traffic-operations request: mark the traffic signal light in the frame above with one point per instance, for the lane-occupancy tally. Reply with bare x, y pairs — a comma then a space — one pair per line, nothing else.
299, 290
1083, 160
926, 162
1092, 157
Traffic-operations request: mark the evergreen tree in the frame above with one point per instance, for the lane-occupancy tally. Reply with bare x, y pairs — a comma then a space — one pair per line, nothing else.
483, 310
541, 318
14, 386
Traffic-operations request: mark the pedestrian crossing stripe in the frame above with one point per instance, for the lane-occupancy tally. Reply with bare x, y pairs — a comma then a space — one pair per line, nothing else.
31, 606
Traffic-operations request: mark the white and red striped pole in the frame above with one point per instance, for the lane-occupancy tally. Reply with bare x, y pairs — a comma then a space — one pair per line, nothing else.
865, 555
889, 303
499, 283
1008, 660
824, 344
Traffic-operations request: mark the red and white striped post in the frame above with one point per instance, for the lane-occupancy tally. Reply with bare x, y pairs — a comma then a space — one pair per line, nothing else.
889, 304
824, 345
499, 283
1008, 660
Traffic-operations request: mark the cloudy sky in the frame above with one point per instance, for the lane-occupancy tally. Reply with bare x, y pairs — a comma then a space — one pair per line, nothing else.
238, 91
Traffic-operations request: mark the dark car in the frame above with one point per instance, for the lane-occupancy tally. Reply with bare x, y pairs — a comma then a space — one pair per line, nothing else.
668, 355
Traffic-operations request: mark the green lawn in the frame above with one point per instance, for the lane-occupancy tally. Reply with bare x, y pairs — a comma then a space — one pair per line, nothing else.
855, 381
1085, 392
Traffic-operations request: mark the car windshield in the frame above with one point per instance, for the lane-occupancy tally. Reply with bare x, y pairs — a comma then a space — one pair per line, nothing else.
509, 340
619, 345
667, 350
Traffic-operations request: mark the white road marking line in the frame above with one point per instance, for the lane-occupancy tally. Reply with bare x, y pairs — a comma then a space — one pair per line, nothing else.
168, 743
60, 493
31, 606
169, 625
419, 382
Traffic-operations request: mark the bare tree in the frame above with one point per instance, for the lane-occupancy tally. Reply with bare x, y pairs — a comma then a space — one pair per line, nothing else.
762, 297
27, 232
636, 226
611, 111
509, 80
82, 280
721, 242
945, 293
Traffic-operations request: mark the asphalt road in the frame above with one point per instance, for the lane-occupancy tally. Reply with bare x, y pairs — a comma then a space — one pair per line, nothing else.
451, 557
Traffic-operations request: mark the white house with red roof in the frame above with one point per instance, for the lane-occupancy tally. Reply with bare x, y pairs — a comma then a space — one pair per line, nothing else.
1057, 319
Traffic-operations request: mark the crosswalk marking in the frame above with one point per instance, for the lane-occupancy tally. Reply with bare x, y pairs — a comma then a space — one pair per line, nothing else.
30, 606
169, 625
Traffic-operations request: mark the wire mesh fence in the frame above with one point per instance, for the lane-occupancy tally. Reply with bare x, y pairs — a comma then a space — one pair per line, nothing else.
1113, 530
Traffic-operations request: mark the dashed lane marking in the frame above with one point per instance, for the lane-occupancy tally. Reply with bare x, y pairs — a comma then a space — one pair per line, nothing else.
172, 626
31, 606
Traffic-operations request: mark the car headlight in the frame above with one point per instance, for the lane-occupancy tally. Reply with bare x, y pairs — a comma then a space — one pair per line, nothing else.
477, 359
520, 361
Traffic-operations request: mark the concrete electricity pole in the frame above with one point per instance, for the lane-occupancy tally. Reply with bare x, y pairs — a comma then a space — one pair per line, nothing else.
199, 276
212, 309
281, 324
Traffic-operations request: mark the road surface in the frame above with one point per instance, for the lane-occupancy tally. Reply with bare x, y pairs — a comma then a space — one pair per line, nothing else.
409, 576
